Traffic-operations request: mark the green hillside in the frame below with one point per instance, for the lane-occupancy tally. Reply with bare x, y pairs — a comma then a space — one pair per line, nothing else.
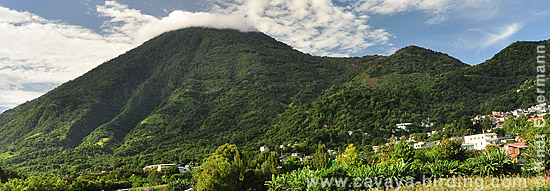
179, 96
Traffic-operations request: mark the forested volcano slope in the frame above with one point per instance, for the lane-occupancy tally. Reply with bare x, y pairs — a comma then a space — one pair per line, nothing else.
182, 94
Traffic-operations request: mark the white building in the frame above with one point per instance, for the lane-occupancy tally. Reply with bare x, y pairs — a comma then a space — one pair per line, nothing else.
480, 141
264, 148
159, 167
402, 126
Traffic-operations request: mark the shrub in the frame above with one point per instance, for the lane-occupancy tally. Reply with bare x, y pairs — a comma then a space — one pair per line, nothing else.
179, 185
490, 163
442, 169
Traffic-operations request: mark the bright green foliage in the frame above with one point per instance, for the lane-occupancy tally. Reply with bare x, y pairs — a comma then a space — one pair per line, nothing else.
486, 124
491, 163
443, 168
510, 125
402, 152
179, 185
223, 170
155, 177
321, 157
537, 155
350, 157
138, 181
292, 181
35, 184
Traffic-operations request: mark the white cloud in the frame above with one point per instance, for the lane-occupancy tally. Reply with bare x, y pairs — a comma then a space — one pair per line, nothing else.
438, 10
135, 27
394, 6
502, 34
479, 39
314, 26
35, 50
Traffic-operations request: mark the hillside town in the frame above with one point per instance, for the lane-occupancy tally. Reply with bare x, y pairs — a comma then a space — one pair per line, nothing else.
514, 146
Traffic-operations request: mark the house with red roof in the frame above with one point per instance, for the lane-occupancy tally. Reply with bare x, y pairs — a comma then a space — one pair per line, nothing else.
514, 150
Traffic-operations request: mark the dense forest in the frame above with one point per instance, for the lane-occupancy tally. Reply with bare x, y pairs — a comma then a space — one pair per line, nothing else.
179, 96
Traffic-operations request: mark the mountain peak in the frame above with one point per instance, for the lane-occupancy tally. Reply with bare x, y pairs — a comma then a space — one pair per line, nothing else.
415, 59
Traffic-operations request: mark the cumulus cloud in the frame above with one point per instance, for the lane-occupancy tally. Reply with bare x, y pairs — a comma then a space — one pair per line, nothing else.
314, 26
135, 27
37, 51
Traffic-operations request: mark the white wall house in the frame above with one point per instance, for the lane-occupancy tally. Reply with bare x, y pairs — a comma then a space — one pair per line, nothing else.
480, 141
159, 167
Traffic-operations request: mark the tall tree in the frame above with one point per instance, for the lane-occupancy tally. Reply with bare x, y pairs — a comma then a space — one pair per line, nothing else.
402, 152
272, 164
223, 170
321, 157
486, 124
349, 157
449, 150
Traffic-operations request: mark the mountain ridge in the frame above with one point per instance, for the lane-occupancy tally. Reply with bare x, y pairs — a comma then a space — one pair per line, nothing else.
181, 94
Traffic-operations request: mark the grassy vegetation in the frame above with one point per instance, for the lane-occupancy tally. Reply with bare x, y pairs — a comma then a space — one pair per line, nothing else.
515, 183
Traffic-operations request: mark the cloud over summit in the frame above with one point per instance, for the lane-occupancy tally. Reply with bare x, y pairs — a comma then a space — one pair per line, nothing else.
39, 51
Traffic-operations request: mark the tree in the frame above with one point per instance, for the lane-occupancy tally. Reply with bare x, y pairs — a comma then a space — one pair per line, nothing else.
168, 172
5, 175
223, 170
521, 121
271, 165
349, 157
402, 151
179, 185
292, 163
509, 123
465, 123
155, 176
449, 150
486, 124
321, 157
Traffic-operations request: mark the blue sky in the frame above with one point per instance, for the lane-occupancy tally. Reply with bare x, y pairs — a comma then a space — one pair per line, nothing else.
46, 43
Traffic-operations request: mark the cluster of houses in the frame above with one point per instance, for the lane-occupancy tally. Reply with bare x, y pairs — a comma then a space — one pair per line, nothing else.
481, 141
497, 117
513, 146
404, 126
300, 156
